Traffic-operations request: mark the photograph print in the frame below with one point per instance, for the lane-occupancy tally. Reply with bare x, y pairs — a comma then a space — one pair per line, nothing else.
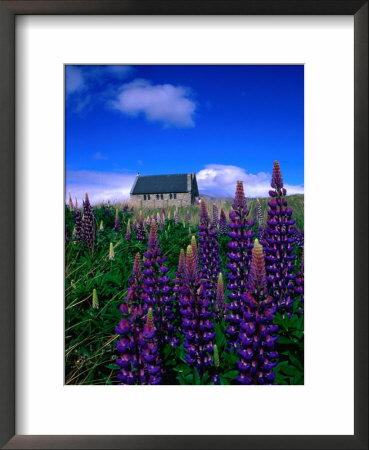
184, 225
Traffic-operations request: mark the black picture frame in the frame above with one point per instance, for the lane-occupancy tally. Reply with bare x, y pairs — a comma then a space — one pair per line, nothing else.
8, 12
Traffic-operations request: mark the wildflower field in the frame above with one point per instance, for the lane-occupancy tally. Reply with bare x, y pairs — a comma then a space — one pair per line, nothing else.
207, 294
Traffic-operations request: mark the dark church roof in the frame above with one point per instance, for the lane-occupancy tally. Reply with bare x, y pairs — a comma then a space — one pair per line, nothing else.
160, 184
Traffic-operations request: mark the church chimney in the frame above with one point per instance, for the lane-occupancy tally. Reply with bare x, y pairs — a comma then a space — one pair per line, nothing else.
189, 181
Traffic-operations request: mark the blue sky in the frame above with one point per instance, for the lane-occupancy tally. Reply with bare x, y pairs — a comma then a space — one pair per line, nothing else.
225, 123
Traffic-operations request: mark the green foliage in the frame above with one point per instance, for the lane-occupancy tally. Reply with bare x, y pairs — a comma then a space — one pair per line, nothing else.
290, 346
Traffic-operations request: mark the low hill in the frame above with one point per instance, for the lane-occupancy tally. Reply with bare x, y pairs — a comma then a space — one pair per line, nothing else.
296, 202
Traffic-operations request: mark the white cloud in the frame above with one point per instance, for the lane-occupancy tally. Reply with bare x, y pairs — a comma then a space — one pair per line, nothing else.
101, 186
220, 180
158, 103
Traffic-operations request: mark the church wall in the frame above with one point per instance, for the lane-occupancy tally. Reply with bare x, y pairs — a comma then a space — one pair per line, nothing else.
183, 199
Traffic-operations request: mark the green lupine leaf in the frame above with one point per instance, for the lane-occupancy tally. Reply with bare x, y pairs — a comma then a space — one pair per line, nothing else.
196, 377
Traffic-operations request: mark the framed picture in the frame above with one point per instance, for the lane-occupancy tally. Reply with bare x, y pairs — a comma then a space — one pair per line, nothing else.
138, 140
166, 225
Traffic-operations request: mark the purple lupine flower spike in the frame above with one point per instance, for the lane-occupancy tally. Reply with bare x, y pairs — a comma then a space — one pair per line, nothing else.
149, 327
141, 230
239, 258
261, 234
78, 225
136, 272
216, 378
181, 262
178, 280
257, 275
153, 242
76, 204
168, 307
71, 206
130, 328
176, 217
195, 253
88, 226
127, 349
191, 272
128, 232
149, 352
220, 301
203, 211
215, 216
257, 331
259, 214
134, 292
157, 290
300, 239
195, 309
209, 260
223, 227
277, 181
188, 217
117, 226
239, 199
279, 244
205, 328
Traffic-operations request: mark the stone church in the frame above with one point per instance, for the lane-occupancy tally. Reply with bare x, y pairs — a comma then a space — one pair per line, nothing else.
156, 191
